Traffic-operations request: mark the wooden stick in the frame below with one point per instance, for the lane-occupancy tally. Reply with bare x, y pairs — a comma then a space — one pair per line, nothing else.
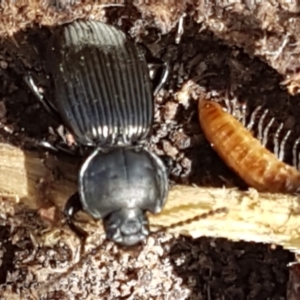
192, 211
233, 214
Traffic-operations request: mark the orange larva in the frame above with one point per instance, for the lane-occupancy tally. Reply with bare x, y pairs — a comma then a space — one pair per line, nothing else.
244, 154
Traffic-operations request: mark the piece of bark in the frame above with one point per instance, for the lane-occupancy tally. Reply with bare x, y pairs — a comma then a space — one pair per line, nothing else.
38, 180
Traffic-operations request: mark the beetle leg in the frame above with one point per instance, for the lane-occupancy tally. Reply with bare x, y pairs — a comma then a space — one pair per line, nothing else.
159, 73
159, 70
164, 74
61, 146
47, 145
168, 162
72, 206
28, 79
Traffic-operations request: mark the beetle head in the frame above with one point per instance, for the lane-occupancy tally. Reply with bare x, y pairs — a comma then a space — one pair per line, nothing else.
126, 226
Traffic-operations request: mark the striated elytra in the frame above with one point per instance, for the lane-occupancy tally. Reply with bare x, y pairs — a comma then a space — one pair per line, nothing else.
104, 96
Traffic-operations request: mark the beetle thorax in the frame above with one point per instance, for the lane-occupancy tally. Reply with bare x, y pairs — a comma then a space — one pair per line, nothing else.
120, 178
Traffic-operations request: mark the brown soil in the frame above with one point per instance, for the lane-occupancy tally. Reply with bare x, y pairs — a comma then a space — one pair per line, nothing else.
165, 267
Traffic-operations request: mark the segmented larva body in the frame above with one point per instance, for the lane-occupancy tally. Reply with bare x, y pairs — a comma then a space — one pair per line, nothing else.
244, 154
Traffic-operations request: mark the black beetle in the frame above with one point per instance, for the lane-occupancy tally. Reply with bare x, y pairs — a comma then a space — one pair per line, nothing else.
103, 94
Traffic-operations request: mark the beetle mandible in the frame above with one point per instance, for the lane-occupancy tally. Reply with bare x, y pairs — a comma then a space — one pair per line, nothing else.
103, 95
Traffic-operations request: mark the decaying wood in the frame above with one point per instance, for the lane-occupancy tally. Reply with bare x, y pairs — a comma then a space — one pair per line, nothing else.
38, 179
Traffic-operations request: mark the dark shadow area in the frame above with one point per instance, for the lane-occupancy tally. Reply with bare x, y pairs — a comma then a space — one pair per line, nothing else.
9, 251
24, 118
217, 269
